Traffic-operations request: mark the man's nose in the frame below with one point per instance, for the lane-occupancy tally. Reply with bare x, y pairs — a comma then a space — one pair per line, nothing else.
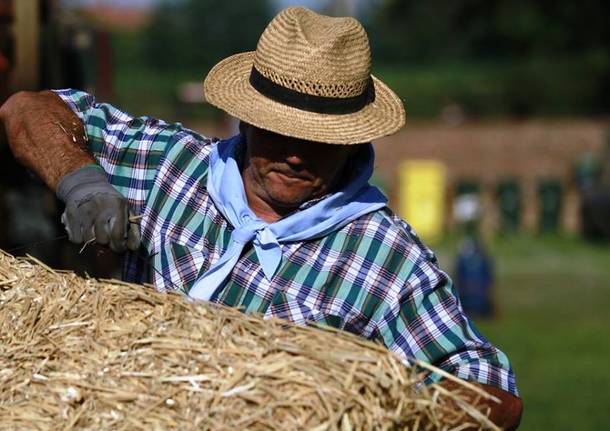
296, 155
295, 159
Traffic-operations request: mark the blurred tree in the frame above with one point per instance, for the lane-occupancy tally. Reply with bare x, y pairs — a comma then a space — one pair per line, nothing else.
410, 30
532, 56
191, 34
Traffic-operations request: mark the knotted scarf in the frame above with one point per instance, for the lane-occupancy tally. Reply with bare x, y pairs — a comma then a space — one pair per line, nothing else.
225, 187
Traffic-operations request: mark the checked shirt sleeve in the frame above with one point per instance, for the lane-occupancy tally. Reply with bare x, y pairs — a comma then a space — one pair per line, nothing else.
426, 322
129, 149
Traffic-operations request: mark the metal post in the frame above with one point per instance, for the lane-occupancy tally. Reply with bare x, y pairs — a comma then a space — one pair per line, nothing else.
26, 29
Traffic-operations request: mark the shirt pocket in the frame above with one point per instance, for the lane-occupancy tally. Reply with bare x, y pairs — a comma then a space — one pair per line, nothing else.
181, 266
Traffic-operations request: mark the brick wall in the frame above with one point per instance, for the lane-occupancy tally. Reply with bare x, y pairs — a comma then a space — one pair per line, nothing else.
527, 151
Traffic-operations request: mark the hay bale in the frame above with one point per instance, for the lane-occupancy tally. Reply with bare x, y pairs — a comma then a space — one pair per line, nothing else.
88, 354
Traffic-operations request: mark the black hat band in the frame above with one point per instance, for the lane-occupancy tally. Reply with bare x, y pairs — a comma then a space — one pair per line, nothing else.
312, 103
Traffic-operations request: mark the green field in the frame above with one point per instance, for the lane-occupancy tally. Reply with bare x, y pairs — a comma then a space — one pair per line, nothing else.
553, 296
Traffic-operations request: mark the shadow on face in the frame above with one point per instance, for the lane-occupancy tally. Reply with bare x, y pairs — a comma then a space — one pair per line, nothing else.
286, 171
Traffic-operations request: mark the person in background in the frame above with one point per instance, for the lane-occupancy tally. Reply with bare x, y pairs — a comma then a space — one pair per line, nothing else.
593, 181
474, 274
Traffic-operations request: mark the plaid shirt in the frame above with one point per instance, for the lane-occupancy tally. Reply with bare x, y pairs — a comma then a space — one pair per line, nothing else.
372, 277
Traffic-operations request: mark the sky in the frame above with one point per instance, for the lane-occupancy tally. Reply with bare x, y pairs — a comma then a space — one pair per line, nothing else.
131, 3
140, 3
362, 5
312, 4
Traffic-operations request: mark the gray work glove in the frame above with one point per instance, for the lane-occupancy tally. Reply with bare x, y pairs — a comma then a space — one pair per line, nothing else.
95, 209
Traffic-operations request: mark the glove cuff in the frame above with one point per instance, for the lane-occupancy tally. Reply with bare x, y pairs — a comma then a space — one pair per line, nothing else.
85, 176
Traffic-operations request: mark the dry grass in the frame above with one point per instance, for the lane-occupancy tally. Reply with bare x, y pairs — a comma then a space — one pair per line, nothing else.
86, 354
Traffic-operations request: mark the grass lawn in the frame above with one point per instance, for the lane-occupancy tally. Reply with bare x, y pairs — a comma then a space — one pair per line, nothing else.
553, 296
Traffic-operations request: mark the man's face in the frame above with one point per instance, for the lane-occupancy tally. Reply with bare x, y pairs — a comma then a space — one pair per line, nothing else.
285, 172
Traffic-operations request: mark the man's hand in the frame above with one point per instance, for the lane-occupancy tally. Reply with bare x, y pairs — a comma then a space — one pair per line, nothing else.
96, 211
48, 138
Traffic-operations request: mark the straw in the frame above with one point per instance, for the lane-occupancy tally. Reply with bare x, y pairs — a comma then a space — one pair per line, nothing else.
80, 353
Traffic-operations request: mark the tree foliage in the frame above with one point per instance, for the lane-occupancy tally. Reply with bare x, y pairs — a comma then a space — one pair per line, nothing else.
433, 30
193, 34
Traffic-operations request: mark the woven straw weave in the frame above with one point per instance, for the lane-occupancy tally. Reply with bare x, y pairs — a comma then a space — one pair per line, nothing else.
314, 55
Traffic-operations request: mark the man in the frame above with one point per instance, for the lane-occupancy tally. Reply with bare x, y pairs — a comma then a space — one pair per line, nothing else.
278, 220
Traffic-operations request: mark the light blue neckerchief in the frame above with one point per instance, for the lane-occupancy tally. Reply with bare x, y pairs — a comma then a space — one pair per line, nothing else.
226, 189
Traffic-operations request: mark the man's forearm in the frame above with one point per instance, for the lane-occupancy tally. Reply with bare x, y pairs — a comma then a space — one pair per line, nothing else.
506, 414
45, 135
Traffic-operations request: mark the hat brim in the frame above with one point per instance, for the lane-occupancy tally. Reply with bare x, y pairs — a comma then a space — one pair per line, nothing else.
227, 87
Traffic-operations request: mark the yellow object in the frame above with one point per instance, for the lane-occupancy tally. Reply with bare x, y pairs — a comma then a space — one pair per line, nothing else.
422, 196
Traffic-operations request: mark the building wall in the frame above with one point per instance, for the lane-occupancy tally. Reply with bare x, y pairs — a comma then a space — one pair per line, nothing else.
491, 152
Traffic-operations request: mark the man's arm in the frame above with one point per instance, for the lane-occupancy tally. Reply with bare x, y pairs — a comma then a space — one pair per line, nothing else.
427, 323
45, 135
506, 414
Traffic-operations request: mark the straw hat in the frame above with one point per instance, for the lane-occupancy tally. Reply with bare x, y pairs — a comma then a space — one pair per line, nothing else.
309, 78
